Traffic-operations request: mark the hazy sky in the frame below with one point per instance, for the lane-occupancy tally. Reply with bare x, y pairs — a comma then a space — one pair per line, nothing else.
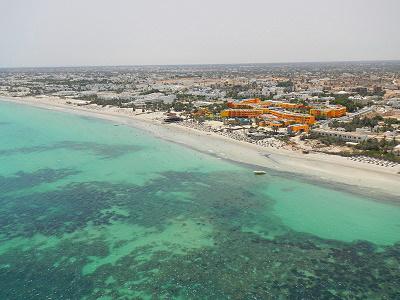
130, 32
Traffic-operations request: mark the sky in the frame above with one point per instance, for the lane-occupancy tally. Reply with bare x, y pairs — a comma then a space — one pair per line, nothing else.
37, 33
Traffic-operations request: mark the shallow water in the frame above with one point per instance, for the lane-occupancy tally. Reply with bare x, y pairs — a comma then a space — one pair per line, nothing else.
90, 210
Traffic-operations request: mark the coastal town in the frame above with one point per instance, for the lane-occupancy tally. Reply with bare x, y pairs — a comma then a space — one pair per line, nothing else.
346, 109
186, 150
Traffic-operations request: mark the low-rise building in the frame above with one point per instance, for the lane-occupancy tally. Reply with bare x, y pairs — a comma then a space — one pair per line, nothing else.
395, 102
296, 128
340, 135
329, 112
241, 113
396, 150
296, 117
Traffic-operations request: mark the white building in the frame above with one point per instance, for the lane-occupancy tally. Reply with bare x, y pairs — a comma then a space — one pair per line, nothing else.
396, 150
340, 135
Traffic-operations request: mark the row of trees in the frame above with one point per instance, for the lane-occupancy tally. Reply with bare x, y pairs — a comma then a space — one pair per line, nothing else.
382, 149
351, 105
177, 105
382, 145
326, 140
190, 97
358, 122
285, 84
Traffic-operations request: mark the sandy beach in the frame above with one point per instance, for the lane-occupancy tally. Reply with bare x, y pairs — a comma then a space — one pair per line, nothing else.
330, 169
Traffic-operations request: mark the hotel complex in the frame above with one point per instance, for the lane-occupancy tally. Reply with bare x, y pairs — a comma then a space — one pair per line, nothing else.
296, 117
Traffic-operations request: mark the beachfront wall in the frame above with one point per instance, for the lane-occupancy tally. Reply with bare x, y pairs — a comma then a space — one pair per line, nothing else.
335, 112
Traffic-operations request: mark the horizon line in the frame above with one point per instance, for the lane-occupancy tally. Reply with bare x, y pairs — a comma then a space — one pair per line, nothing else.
203, 64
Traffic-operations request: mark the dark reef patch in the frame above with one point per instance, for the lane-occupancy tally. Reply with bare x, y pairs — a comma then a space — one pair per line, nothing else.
71, 207
23, 180
240, 264
104, 151
34, 274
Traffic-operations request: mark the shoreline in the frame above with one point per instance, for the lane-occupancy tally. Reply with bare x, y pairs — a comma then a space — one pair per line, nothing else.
329, 169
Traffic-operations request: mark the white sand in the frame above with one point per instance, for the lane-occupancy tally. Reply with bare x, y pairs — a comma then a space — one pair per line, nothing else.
328, 168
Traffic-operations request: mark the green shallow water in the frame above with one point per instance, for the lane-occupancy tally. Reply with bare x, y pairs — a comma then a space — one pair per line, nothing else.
335, 215
89, 210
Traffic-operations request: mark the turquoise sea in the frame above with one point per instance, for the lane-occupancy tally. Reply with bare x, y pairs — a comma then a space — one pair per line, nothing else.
91, 210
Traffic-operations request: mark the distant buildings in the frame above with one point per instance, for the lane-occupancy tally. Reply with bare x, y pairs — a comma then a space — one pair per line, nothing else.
156, 97
299, 95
